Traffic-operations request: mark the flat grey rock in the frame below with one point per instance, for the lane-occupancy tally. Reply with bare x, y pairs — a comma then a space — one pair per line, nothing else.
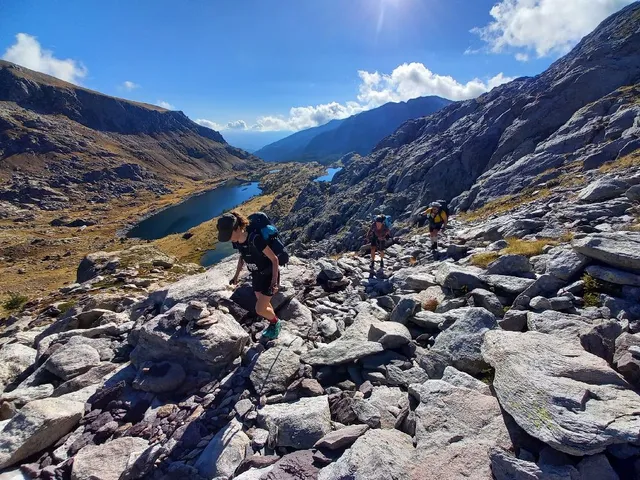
540, 381
299, 424
341, 351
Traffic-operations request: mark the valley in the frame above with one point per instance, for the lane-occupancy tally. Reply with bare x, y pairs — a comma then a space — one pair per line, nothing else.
501, 343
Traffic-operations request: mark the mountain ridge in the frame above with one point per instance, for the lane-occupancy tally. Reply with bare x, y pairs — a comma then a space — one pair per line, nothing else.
582, 109
65, 137
358, 133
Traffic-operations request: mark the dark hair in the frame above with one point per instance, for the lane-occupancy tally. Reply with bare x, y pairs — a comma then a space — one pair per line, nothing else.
241, 221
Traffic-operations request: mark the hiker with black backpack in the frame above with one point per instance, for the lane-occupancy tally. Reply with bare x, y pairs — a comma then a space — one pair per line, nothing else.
260, 248
378, 234
438, 216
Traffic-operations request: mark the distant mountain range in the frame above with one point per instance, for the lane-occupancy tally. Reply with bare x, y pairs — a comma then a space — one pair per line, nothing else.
359, 133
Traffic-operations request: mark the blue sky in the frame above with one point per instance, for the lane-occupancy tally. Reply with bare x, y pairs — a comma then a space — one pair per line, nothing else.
242, 66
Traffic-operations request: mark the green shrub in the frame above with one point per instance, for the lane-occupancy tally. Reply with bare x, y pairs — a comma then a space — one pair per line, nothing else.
591, 299
15, 301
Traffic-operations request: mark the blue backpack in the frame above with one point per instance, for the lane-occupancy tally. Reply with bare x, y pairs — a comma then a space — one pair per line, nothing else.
260, 223
387, 221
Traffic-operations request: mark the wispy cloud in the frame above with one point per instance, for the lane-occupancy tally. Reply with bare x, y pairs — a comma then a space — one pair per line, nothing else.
163, 104
407, 81
543, 27
28, 52
129, 85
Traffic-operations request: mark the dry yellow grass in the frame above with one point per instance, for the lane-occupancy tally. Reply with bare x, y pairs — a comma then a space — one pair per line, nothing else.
430, 305
26, 245
569, 177
484, 259
505, 204
528, 248
517, 246
630, 161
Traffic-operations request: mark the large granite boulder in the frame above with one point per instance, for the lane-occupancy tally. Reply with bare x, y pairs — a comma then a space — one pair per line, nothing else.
225, 451
561, 394
164, 338
619, 249
36, 426
377, 455
15, 358
107, 461
300, 424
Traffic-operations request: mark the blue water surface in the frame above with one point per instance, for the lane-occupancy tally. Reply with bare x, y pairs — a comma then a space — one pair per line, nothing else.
194, 211
329, 175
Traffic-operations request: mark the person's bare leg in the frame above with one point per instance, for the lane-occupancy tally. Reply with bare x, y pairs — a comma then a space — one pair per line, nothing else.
264, 307
373, 255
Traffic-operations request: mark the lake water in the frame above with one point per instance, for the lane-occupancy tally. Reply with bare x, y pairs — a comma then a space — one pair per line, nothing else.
329, 175
222, 251
194, 211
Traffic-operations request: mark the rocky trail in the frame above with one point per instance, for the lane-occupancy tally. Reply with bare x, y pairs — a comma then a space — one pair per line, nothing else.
514, 353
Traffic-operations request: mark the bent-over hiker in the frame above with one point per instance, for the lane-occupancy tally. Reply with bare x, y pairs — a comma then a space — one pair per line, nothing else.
378, 234
261, 261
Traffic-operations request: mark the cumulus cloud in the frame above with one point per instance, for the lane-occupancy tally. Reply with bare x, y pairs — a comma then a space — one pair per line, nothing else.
28, 53
405, 82
163, 104
128, 85
411, 80
546, 27
237, 125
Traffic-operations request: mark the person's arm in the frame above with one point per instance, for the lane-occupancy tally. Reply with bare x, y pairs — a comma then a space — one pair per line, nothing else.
275, 264
445, 217
234, 280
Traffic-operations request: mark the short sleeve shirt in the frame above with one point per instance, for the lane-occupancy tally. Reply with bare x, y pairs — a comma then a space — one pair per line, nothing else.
251, 253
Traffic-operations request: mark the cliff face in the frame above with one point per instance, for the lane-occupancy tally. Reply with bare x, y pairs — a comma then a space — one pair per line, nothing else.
585, 108
58, 134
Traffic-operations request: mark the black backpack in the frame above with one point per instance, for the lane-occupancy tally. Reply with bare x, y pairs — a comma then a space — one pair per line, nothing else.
260, 224
444, 206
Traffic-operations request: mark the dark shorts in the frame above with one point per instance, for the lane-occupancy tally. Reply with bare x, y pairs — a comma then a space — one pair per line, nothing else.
261, 282
435, 227
378, 244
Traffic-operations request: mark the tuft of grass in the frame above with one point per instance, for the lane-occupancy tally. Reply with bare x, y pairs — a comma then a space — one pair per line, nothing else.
630, 161
484, 259
15, 301
528, 248
590, 283
66, 306
430, 305
591, 300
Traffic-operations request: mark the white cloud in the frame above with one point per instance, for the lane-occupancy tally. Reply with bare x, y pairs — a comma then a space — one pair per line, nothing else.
128, 85
407, 81
522, 57
28, 53
209, 124
237, 125
163, 104
411, 80
546, 27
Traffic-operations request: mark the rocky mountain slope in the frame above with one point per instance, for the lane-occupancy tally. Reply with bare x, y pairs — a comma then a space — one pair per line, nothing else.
359, 133
509, 355
59, 141
517, 139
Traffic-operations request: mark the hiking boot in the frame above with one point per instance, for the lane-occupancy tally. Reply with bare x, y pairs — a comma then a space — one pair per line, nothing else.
272, 331
381, 263
372, 264
434, 246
